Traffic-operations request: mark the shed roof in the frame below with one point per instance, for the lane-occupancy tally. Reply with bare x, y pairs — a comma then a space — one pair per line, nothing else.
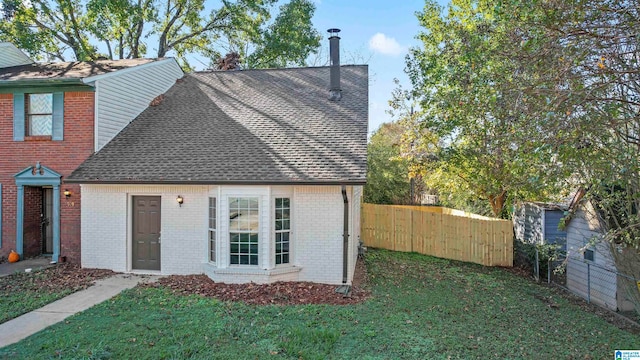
252, 126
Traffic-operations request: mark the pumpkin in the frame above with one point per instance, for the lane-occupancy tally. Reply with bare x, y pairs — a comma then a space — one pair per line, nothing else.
13, 256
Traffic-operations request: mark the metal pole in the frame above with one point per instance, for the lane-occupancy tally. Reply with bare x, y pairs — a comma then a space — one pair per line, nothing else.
536, 266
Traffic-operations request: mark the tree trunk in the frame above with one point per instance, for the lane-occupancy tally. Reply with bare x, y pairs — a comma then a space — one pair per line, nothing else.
497, 203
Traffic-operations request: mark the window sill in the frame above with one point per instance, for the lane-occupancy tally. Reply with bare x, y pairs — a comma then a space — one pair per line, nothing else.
239, 275
38, 138
256, 271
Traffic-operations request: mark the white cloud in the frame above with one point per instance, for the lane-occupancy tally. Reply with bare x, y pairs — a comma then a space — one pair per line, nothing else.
385, 45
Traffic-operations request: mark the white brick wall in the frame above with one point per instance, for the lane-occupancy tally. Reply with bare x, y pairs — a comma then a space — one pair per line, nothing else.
316, 237
319, 221
106, 227
103, 230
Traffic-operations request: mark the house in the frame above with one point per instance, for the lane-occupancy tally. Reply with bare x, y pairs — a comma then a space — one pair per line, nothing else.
52, 117
246, 176
539, 223
590, 267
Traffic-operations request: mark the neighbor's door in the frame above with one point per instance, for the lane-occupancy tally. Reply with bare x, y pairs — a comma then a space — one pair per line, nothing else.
47, 215
146, 233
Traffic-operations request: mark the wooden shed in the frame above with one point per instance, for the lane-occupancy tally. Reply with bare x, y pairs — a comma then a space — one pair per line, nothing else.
538, 223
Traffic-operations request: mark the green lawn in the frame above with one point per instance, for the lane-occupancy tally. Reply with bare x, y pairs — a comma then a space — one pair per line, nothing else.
422, 308
23, 292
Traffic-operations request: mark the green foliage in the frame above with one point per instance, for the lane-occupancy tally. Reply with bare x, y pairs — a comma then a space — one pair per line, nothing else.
388, 173
421, 308
462, 78
53, 28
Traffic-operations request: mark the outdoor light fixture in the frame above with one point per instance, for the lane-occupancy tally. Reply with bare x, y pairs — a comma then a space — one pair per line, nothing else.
180, 200
67, 193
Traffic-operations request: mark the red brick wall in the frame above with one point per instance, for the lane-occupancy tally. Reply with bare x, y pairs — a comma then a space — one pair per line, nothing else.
60, 156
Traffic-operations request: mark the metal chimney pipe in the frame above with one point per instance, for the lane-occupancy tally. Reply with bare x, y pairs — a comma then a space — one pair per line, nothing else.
335, 93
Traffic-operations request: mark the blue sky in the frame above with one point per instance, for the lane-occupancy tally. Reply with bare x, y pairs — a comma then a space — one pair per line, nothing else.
378, 33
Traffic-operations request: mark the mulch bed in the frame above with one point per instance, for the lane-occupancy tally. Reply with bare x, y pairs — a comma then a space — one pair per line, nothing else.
279, 293
61, 276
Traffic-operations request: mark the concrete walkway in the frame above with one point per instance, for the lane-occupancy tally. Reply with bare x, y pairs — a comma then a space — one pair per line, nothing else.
28, 324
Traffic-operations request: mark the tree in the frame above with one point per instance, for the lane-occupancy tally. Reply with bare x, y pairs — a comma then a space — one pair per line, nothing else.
523, 96
461, 78
388, 173
55, 28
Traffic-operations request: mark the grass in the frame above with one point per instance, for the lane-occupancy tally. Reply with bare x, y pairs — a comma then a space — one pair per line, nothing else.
23, 292
422, 308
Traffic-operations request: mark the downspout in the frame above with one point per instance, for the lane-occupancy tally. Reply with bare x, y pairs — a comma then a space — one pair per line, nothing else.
345, 237
344, 288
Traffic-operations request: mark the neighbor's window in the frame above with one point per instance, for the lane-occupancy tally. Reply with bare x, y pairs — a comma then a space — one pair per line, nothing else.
212, 229
243, 230
283, 230
39, 114
589, 254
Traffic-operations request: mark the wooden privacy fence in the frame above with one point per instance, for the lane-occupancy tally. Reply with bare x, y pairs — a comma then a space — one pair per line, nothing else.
437, 231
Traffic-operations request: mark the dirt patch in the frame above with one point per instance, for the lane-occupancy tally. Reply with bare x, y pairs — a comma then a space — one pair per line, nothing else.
279, 293
61, 276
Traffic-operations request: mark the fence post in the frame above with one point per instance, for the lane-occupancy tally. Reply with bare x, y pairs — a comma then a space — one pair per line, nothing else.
536, 266
588, 283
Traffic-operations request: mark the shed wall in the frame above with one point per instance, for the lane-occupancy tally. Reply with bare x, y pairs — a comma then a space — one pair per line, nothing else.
584, 228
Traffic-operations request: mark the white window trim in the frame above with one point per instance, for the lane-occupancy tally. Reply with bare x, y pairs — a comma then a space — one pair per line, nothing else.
216, 230
273, 231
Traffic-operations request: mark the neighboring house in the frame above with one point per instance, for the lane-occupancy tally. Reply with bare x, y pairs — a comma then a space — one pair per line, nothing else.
538, 223
252, 175
591, 270
52, 117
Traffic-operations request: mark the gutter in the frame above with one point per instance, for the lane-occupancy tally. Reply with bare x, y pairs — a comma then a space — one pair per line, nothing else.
40, 82
212, 182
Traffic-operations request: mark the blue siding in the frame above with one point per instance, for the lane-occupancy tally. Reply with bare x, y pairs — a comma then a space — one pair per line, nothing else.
58, 116
552, 234
18, 117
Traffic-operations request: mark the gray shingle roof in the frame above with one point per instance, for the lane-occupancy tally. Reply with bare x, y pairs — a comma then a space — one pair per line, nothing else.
67, 70
251, 126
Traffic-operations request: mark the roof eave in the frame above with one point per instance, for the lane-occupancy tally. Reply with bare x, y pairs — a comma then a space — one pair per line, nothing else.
41, 82
214, 182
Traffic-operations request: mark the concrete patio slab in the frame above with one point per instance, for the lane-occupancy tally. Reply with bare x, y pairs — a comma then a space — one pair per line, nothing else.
34, 264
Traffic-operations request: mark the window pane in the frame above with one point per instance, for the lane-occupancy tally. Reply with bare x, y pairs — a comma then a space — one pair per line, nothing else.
282, 225
40, 124
40, 103
244, 218
235, 259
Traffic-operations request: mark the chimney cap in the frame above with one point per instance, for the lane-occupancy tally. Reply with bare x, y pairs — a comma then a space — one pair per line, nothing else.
333, 32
